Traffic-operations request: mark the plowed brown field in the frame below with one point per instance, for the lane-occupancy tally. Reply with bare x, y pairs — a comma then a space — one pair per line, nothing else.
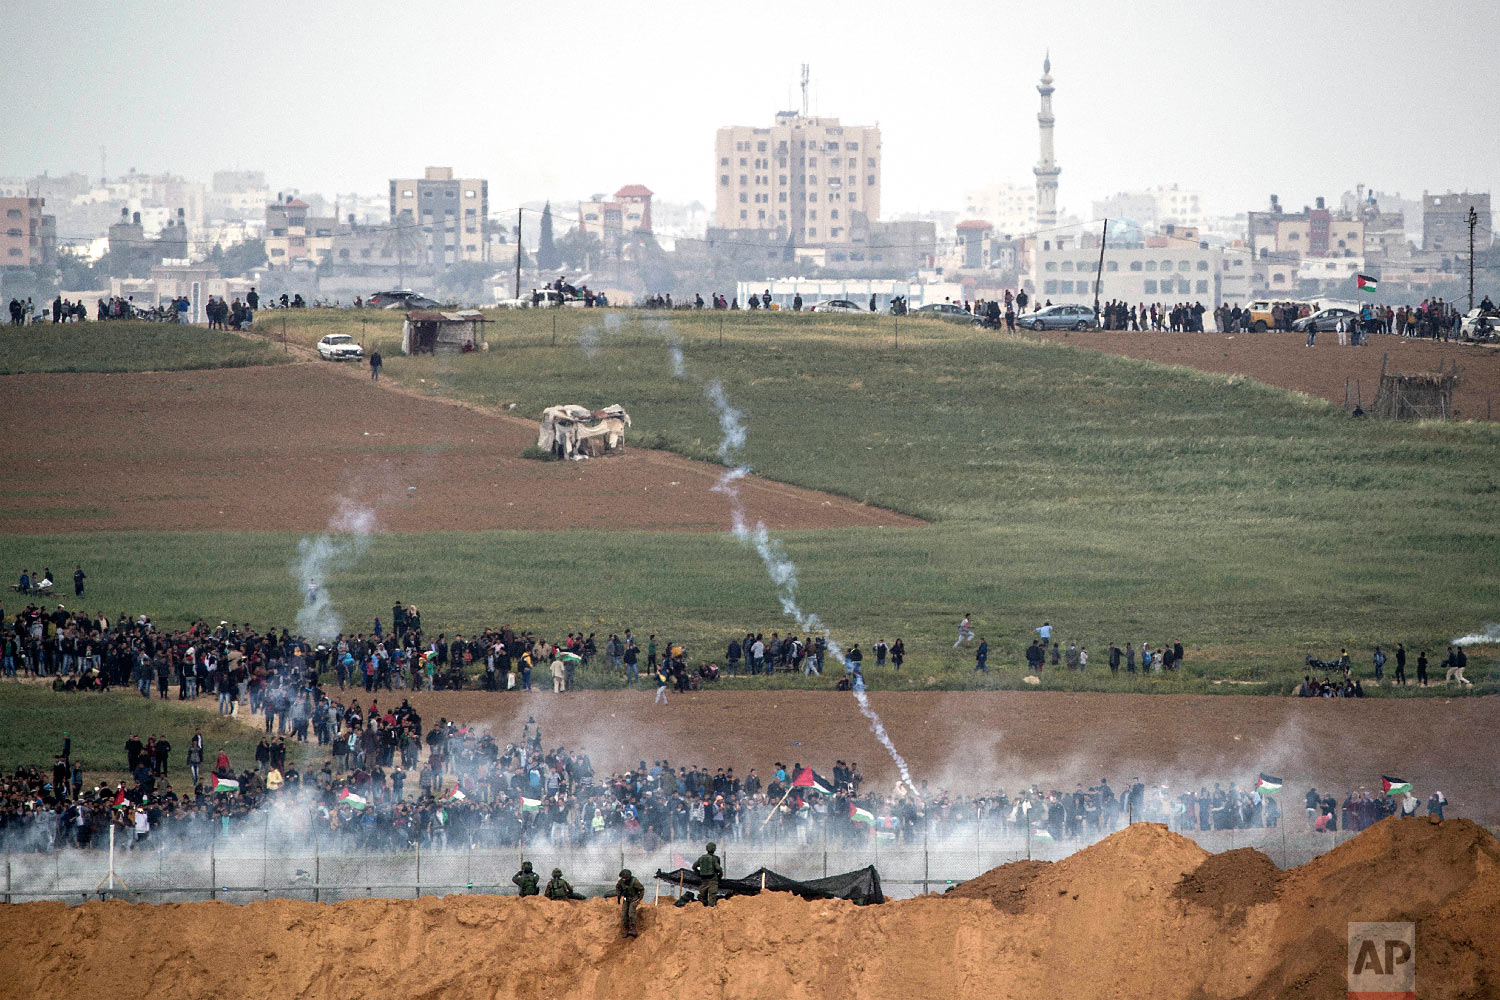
265, 448
1285, 360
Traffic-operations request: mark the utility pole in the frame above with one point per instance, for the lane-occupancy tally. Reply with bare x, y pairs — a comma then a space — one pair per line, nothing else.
518, 253
1473, 221
1099, 275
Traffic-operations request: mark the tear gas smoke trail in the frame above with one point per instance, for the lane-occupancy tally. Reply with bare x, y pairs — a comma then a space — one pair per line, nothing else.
782, 571
337, 549
1489, 637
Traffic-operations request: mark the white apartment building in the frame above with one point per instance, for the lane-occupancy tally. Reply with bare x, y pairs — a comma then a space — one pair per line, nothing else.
1009, 208
1154, 207
813, 179
1064, 272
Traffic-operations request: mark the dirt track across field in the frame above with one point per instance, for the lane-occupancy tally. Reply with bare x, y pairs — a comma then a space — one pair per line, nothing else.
266, 448
1285, 360
973, 741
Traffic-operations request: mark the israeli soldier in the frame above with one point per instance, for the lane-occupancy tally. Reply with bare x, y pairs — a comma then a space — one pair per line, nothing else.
709, 869
558, 887
631, 892
526, 880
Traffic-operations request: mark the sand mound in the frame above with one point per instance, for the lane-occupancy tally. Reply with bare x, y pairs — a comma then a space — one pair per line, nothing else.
1142, 913
1232, 881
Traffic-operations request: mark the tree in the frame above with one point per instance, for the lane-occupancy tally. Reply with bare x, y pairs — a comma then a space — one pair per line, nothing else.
578, 249
242, 258
546, 250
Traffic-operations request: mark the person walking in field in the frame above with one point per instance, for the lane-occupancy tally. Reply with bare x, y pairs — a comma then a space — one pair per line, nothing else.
375, 362
661, 687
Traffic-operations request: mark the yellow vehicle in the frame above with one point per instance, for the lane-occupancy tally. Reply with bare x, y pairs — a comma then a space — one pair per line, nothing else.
1262, 316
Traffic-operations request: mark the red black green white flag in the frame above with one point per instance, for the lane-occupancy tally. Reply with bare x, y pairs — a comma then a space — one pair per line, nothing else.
1394, 786
810, 779
1268, 785
1365, 283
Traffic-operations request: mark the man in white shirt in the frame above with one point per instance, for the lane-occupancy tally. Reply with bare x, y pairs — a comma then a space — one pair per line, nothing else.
965, 633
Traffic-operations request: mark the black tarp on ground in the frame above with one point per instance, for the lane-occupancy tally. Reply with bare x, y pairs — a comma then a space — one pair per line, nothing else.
860, 887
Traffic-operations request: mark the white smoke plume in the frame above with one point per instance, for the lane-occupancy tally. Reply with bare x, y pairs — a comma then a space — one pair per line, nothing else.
782, 571
337, 549
1489, 637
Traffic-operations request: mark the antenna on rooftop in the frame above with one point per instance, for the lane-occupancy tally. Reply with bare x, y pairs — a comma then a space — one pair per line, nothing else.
805, 69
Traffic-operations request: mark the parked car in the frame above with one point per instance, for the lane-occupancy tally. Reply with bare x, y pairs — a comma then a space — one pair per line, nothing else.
947, 311
1481, 325
836, 306
401, 298
1059, 318
339, 347
1325, 320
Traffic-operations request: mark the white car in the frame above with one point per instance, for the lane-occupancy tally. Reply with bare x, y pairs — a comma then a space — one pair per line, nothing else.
339, 347
1481, 326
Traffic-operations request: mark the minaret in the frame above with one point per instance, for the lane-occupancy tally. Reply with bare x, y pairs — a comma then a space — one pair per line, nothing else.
1046, 169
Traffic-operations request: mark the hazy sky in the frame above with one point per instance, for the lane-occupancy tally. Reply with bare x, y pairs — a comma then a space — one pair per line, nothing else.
1234, 99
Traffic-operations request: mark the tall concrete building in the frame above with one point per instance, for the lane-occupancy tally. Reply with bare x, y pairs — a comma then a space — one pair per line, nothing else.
28, 238
1445, 221
1046, 169
811, 181
449, 215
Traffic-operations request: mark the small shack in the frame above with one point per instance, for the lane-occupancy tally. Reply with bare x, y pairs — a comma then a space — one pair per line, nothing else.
572, 431
1423, 396
441, 332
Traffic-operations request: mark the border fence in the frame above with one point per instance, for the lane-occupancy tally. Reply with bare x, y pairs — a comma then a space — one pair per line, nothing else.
247, 872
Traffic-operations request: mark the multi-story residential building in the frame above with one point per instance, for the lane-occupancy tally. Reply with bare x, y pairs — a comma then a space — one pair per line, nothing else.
1164, 269
449, 214
1154, 207
812, 180
237, 195
294, 237
1009, 208
1445, 221
629, 211
28, 238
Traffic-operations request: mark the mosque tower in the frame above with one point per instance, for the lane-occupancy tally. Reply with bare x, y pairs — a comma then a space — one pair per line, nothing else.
1046, 169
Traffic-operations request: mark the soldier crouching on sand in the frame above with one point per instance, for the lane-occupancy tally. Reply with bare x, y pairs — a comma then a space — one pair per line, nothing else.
631, 892
558, 887
526, 880
709, 869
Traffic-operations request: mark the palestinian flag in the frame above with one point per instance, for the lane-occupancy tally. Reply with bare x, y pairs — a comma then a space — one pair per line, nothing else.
1268, 785
858, 815
1365, 283
530, 805
348, 798
457, 795
221, 785
570, 657
810, 779
1394, 786
119, 797
1040, 833
442, 816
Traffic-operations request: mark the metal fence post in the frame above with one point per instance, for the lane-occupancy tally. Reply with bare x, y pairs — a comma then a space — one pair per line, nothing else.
7, 876
317, 868
419, 868
213, 870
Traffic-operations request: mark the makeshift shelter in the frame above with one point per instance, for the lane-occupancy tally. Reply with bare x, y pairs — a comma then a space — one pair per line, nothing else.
572, 431
434, 332
1424, 396
860, 887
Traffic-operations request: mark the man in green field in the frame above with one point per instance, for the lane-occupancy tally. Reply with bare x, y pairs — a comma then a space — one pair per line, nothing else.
709, 869
526, 880
631, 892
560, 888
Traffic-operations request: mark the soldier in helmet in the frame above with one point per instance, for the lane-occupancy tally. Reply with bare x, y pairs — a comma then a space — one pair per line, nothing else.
709, 869
631, 892
527, 880
559, 888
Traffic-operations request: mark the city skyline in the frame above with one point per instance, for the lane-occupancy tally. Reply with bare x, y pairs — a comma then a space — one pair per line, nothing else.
1179, 97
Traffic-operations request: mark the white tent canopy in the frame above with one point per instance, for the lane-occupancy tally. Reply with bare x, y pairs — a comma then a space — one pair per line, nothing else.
572, 431
433, 332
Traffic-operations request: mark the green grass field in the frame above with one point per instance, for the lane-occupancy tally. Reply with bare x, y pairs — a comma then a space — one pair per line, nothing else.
33, 720
1121, 500
126, 346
